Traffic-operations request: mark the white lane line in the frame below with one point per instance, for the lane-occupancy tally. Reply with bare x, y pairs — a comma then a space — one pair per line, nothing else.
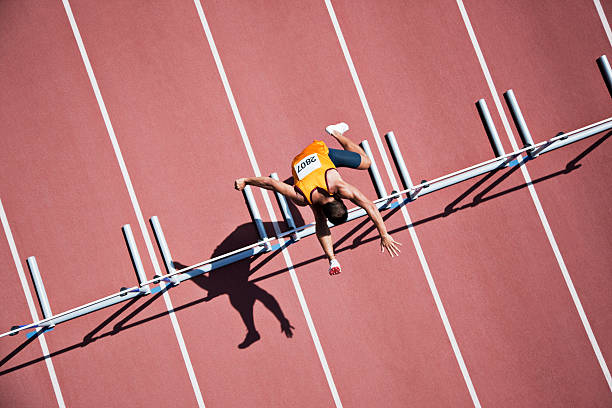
604, 20
408, 221
134, 200
535, 198
266, 197
31, 306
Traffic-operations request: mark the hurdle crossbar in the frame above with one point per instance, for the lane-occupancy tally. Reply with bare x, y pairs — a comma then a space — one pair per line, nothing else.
93, 306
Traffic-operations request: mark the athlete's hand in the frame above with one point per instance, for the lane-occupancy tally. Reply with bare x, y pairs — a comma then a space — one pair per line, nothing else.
386, 241
240, 184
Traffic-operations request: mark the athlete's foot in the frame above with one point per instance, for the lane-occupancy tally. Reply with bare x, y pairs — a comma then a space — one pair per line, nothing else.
251, 337
338, 128
334, 267
287, 328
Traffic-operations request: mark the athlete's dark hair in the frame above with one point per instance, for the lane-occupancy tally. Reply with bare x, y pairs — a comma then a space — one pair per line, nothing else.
335, 211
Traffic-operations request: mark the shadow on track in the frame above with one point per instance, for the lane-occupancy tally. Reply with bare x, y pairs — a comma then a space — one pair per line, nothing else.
233, 280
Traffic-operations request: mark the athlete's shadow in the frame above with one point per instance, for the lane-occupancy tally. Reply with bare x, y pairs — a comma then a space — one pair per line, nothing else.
233, 280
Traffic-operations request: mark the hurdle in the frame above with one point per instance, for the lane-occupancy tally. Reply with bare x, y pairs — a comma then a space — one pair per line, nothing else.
309, 229
606, 72
501, 160
125, 293
562, 139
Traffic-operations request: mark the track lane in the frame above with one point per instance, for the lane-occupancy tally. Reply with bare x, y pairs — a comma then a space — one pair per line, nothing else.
485, 324
63, 188
177, 133
284, 101
558, 62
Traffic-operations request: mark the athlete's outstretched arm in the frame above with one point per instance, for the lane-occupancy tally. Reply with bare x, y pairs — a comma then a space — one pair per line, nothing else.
323, 233
270, 184
357, 197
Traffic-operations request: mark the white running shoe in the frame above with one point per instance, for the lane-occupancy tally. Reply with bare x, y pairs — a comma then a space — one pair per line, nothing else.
334, 267
338, 127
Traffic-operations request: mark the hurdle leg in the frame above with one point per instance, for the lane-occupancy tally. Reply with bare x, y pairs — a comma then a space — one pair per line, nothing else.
40, 291
135, 257
398, 159
255, 216
373, 170
519, 120
282, 202
487, 122
606, 72
163, 248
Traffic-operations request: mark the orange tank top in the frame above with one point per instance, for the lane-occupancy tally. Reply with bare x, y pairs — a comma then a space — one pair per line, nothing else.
309, 168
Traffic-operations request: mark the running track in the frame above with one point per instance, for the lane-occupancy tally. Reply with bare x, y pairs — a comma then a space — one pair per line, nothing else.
505, 332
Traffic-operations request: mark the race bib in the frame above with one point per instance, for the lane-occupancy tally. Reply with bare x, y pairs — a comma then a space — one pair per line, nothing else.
307, 165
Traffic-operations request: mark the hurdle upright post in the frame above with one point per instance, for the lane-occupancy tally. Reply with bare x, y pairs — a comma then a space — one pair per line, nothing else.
255, 216
373, 170
487, 122
284, 206
40, 291
135, 257
163, 248
519, 120
606, 72
398, 159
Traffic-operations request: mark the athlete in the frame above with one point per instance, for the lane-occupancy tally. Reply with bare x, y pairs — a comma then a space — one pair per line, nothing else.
317, 183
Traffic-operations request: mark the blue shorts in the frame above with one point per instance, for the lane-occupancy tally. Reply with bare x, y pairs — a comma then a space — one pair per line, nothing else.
344, 158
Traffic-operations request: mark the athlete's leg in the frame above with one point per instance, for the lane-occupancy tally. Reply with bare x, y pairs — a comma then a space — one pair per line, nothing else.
349, 145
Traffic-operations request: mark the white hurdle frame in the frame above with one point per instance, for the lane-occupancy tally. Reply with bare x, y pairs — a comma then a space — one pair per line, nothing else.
384, 202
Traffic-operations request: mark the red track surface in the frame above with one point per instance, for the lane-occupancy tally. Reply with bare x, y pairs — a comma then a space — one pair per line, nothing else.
502, 288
